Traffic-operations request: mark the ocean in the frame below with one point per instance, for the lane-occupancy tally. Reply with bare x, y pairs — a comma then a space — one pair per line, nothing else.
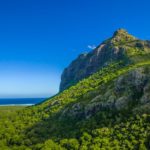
20, 101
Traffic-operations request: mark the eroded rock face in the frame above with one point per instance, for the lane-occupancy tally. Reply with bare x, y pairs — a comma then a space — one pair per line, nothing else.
87, 64
110, 50
126, 92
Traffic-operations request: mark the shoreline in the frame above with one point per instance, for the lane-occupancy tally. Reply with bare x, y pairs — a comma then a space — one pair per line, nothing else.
16, 105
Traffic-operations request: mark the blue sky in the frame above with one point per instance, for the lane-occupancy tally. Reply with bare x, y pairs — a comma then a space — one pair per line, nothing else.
38, 38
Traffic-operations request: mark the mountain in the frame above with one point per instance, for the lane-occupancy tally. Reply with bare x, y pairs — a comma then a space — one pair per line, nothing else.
108, 109
115, 48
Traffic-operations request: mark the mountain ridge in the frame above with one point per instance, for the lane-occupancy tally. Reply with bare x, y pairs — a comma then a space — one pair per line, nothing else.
114, 48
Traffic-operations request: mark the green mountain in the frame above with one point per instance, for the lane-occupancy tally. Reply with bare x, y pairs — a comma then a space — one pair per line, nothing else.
107, 109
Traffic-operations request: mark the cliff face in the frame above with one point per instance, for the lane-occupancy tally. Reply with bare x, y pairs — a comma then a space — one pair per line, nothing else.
110, 50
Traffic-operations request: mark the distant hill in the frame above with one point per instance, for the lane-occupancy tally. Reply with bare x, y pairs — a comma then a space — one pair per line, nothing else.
104, 104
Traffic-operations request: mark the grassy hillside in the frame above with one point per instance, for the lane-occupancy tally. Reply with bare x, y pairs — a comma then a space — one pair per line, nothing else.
10, 108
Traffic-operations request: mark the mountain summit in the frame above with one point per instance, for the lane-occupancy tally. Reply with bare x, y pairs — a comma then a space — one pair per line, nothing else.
122, 33
121, 46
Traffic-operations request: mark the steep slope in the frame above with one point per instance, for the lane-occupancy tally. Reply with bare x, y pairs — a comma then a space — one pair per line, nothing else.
115, 48
110, 109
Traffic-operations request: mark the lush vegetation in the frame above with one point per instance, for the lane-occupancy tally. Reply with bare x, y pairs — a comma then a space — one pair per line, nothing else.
44, 127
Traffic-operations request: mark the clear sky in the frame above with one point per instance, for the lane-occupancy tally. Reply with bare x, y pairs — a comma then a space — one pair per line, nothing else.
38, 38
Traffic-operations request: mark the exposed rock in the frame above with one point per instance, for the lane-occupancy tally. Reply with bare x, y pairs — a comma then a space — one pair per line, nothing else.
110, 50
121, 103
131, 90
146, 96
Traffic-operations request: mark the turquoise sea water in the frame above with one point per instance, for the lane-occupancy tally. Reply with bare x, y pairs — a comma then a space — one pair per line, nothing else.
20, 101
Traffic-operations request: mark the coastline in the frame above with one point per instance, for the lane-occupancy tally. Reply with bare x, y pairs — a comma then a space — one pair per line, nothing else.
20, 101
16, 105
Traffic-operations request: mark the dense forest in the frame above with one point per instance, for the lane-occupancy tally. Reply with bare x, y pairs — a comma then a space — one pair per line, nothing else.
110, 109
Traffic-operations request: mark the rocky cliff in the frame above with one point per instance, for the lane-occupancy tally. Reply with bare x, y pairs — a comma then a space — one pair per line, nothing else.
118, 47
